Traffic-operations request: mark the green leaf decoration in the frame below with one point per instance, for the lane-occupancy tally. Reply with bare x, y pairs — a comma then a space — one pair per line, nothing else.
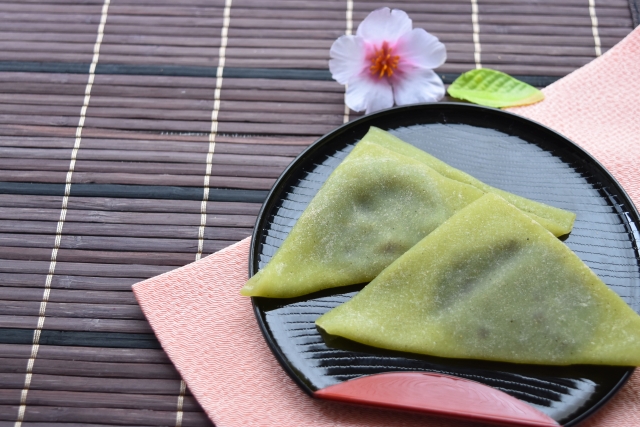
494, 89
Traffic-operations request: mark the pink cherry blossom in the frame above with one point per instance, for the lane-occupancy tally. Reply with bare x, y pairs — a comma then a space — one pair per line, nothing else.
388, 61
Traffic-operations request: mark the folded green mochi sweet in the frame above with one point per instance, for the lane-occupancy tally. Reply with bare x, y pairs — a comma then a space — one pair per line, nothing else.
381, 200
558, 221
492, 284
373, 207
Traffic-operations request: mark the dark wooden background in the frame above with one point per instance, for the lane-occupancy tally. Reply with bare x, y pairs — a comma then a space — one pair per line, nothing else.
135, 199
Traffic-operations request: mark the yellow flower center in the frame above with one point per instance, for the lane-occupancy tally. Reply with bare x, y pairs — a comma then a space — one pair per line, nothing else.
382, 62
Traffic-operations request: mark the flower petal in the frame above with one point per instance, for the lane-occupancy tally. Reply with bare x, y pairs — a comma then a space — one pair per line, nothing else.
370, 94
384, 25
420, 49
417, 85
348, 58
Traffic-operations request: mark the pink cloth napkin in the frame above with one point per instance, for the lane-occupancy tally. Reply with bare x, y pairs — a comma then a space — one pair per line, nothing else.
210, 333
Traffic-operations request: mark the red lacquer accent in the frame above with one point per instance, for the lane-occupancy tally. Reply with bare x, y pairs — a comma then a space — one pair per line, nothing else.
437, 394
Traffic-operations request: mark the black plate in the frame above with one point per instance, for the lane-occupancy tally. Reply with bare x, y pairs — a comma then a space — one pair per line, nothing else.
503, 150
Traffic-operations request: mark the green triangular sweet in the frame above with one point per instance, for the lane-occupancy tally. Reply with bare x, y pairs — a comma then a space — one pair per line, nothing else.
373, 207
558, 221
382, 199
492, 284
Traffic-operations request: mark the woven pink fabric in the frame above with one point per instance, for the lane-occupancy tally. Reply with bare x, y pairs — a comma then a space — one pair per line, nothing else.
210, 333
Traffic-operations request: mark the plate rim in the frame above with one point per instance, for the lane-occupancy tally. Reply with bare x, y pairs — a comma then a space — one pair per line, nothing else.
285, 175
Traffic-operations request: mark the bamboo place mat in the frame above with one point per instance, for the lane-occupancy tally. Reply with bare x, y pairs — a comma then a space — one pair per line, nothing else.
139, 135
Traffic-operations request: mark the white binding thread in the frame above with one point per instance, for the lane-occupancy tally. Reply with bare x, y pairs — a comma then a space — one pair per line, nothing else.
476, 33
179, 412
224, 38
63, 213
594, 27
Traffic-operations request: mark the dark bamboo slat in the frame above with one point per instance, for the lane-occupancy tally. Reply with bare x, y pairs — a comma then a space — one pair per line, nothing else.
515, 69
61, 132
97, 415
526, 17
140, 168
226, 127
76, 324
104, 385
542, 29
14, 232
89, 354
94, 18
153, 156
453, 41
38, 8
507, 8
266, 148
128, 205
300, 19
166, 115
552, 51
139, 271
116, 217
329, 4
39, 233
68, 132
115, 248
112, 39
208, 24
87, 311
197, 110
149, 125
174, 82
282, 32
162, 258
26, 164
200, 108
182, 104
120, 230
508, 59
106, 257
187, 31
92, 369
139, 179
61, 281
143, 60
44, 57
285, 11
173, 93
317, 18
102, 400
57, 78
64, 295
43, 99
446, 37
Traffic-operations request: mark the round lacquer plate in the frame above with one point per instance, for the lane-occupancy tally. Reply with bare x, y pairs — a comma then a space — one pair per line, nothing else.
503, 150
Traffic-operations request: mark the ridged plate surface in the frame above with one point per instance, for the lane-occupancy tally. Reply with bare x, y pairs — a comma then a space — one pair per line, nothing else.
505, 151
